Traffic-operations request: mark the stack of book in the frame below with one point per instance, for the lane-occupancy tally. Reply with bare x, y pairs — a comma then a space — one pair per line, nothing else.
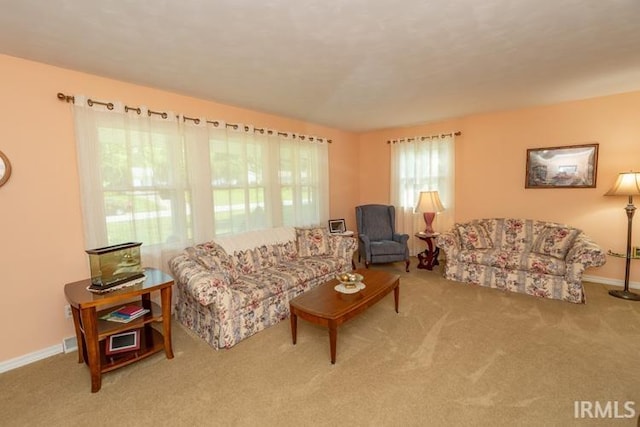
125, 314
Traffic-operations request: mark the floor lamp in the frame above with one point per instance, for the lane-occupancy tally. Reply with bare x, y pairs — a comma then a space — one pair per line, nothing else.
627, 184
429, 204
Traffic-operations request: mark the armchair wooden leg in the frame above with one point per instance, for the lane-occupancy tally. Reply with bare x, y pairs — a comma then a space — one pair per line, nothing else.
407, 270
366, 264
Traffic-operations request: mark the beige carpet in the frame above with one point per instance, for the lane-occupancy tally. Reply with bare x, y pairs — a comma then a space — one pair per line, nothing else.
456, 355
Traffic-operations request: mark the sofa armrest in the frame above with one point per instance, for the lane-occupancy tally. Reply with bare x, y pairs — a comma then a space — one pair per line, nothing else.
448, 242
583, 254
342, 246
201, 283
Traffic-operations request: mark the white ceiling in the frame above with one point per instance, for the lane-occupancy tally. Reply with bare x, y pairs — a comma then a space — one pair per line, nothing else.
350, 64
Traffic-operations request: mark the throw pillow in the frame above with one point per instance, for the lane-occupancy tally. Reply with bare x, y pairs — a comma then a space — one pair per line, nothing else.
474, 236
312, 241
210, 255
555, 241
213, 257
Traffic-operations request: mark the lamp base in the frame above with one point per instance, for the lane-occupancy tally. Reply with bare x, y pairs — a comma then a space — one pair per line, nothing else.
625, 295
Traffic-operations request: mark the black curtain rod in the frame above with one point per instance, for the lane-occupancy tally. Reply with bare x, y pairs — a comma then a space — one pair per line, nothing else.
422, 138
70, 98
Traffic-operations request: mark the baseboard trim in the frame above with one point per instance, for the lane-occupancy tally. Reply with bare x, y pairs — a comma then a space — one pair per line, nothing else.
610, 282
30, 358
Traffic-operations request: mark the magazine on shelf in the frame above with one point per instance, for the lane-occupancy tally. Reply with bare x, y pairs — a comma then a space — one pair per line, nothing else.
121, 316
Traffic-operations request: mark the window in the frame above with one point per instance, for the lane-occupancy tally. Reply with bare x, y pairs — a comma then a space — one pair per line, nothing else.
419, 164
169, 183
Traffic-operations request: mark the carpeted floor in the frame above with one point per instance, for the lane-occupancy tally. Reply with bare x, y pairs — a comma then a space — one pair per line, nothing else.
456, 355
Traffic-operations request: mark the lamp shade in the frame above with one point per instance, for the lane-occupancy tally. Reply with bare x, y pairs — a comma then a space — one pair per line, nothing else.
627, 184
428, 201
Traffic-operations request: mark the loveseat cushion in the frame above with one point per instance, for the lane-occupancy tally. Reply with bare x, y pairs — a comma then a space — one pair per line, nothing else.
474, 236
312, 241
510, 260
555, 241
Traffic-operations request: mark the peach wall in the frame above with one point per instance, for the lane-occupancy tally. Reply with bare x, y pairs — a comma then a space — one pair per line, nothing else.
491, 158
42, 245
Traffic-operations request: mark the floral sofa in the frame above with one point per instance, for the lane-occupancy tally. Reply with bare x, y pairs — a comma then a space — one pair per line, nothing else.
232, 287
537, 258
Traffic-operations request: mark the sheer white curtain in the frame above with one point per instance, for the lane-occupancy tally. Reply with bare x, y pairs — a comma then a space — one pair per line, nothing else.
419, 164
170, 182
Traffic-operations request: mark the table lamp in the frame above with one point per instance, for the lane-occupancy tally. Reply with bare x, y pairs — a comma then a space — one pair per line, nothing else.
429, 204
627, 184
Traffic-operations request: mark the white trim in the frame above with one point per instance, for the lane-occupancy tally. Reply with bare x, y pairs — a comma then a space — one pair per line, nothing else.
611, 282
30, 358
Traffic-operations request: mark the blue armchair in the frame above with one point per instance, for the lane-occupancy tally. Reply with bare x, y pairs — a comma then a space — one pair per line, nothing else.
378, 241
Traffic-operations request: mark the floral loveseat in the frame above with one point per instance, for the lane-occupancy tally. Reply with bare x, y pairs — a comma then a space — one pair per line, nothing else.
232, 287
538, 258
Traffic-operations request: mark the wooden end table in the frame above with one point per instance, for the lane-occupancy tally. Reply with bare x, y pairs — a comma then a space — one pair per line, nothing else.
325, 306
92, 332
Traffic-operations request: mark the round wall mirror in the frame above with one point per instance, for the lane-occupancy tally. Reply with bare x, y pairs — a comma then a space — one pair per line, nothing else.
5, 169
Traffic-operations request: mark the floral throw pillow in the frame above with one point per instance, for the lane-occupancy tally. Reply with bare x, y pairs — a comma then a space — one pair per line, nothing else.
312, 241
474, 236
555, 241
213, 257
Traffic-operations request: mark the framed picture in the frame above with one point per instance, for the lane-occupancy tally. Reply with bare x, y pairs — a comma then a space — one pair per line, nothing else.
635, 252
570, 166
337, 226
125, 341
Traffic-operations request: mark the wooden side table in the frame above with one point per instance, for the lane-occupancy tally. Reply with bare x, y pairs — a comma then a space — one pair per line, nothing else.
429, 258
92, 332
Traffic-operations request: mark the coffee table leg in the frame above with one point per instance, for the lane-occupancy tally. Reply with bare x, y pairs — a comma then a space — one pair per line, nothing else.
333, 338
396, 296
294, 327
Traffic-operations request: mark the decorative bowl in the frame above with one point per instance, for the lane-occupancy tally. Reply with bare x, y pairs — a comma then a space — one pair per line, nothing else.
349, 280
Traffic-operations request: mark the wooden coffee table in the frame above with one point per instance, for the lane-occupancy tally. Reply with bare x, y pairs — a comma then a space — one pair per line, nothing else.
325, 306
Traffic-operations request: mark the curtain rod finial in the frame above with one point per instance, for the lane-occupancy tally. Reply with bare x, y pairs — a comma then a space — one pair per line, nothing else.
65, 98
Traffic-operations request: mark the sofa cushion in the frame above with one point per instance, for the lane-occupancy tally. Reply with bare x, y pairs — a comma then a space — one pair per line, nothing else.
555, 241
474, 236
514, 234
266, 256
312, 241
287, 251
244, 262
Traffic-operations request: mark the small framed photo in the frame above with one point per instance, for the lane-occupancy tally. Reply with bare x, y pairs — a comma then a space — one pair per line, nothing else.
125, 341
635, 252
337, 226
571, 166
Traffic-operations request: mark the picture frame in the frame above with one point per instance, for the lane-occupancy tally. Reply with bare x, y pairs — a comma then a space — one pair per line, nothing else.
635, 252
337, 226
568, 166
124, 341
